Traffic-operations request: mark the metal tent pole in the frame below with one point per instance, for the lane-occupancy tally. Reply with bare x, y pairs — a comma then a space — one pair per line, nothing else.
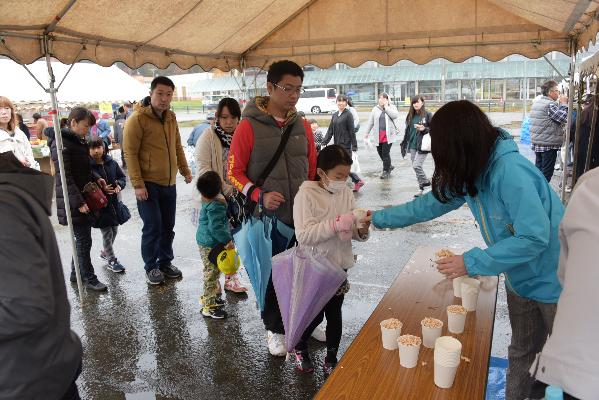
569, 120
59, 148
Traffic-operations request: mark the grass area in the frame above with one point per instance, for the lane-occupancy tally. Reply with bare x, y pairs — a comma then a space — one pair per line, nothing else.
190, 124
186, 103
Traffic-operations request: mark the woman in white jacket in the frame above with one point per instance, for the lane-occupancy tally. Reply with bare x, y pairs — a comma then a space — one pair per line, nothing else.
11, 137
322, 213
212, 153
570, 357
384, 131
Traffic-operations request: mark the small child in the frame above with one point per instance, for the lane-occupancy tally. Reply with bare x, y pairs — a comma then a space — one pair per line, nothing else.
323, 218
318, 135
109, 219
213, 230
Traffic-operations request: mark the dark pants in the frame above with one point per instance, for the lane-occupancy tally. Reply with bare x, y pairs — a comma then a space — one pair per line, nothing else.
545, 161
384, 150
531, 323
83, 244
332, 310
158, 215
271, 315
72, 392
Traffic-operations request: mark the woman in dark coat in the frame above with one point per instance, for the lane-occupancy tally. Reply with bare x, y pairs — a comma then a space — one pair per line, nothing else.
78, 173
342, 131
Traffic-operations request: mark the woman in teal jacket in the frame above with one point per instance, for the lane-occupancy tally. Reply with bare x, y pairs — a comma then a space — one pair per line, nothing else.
518, 214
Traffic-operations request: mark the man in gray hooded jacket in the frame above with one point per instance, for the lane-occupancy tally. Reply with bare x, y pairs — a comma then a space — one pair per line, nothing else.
40, 355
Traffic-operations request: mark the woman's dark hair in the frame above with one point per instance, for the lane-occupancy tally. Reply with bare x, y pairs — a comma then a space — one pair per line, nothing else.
342, 97
280, 68
209, 184
350, 102
78, 114
63, 122
462, 139
547, 86
412, 112
19, 118
231, 104
384, 95
146, 101
95, 142
36, 116
161, 80
331, 156
121, 110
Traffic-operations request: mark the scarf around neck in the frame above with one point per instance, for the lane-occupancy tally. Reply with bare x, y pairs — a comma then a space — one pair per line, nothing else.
224, 137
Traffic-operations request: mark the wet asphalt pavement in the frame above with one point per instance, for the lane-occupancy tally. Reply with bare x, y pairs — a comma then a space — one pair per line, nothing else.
144, 342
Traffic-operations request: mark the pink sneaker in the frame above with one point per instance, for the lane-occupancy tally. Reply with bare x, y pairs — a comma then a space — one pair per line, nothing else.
232, 284
358, 185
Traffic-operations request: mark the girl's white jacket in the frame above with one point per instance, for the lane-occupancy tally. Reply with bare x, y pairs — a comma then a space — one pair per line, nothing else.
570, 358
314, 209
18, 144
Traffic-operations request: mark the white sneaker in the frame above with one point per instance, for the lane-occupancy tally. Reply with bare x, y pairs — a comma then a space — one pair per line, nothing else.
320, 333
276, 344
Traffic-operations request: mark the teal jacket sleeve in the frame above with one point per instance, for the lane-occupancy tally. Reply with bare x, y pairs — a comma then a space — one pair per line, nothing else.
518, 189
421, 209
218, 225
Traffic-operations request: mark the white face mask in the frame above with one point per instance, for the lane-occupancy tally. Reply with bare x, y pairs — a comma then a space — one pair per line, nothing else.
333, 186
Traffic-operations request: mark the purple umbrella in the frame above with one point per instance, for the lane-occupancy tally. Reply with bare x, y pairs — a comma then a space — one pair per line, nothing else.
304, 282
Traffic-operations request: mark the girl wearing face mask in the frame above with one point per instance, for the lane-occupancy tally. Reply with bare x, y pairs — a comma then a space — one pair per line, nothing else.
324, 220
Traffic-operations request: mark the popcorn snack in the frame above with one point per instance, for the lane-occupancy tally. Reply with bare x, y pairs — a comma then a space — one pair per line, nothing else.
444, 253
391, 323
409, 340
457, 309
432, 323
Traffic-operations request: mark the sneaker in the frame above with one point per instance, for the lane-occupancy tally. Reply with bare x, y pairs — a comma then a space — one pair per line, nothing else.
170, 271
303, 361
95, 286
276, 344
232, 284
358, 185
115, 266
218, 301
103, 255
329, 366
155, 277
73, 278
385, 175
392, 168
320, 334
214, 312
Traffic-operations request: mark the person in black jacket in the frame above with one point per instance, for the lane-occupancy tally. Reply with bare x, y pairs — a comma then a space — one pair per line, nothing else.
22, 126
110, 216
78, 173
417, 125
343, 133
41, 355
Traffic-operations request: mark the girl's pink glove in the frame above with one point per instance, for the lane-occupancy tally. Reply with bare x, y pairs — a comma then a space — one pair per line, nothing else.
342, 225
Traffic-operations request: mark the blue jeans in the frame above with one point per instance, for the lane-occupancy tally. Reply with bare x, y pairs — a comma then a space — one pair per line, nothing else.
545, 161
158, 215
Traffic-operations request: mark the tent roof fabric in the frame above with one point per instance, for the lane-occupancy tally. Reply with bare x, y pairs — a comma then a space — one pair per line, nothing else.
230, 34
430, 72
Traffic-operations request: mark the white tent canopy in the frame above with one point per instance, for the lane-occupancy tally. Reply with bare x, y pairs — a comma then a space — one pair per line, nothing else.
86, 83
235, 33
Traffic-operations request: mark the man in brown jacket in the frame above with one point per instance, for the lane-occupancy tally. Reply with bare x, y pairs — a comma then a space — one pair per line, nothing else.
153, 153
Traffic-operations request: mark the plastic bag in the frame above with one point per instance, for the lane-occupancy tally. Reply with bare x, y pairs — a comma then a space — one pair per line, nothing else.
355, 167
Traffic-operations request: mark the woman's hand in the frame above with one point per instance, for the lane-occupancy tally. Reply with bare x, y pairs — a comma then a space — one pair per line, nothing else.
84, 209
117, 189
230, 245
452, 266
420, 127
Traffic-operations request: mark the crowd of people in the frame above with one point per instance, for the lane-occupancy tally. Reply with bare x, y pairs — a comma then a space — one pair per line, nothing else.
279, 165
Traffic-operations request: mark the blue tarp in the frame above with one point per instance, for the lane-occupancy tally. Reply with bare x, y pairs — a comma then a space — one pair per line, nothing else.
496, 379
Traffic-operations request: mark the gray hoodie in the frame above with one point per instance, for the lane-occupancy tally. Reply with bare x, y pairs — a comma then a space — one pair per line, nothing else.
39, 353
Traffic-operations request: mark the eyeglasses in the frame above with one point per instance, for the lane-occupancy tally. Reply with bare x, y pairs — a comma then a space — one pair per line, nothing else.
554, 90
290, 89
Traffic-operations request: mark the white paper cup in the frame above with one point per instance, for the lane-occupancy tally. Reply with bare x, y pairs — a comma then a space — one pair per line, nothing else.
360, 214
444, 376
429, 335
448, 351
470, 291
457, 286
389, 337
455, 321
408, 355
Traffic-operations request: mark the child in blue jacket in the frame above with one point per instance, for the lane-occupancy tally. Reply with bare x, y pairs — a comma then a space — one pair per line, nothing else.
213, 230
518, 214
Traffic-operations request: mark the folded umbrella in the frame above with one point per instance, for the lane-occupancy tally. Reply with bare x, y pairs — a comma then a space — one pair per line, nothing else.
304, 282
